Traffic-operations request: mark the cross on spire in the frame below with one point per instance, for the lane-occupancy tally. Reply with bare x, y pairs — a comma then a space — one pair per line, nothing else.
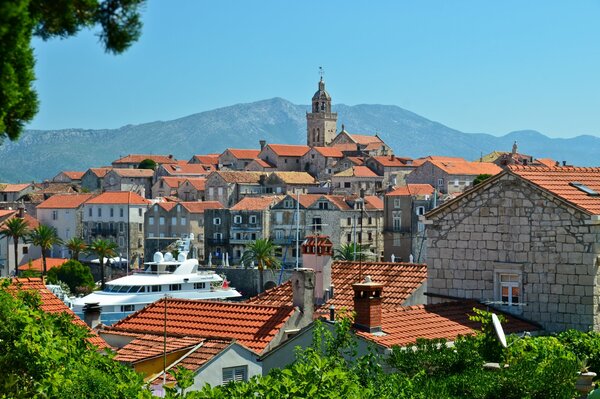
321, 72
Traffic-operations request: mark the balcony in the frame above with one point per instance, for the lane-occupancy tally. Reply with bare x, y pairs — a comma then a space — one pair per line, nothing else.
242, 240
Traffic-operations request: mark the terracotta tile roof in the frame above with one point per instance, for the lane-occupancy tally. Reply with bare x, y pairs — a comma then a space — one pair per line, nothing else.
118, 197
167, 205
345, 147
242, 153
251, 325
262, 163
364, 139
12, 188
126, 172
209, 159
287, 150
137, 158
295, 177
199, 183
188, 169
412, 190
6, 212
403, 325
373, 202
99, 172
64, 201
373, 146
330, 152
557, 180
240, 177
357, 160
357, 171
391, 161
37, 265
171, 181
32, 222
199, 357
400, 281
307, 200
549, 162
147, 346
73, 175
467, 168
51, 304
200, 207
256, 203
339, 201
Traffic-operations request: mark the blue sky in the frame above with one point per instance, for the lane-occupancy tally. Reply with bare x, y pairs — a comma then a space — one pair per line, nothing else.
477, 66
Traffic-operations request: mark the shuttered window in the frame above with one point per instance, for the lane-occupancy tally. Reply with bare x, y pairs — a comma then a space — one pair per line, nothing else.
239, 373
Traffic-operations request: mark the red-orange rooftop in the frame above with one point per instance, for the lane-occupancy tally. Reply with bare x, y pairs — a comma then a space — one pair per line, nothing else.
118, 197
65, 201
288, 150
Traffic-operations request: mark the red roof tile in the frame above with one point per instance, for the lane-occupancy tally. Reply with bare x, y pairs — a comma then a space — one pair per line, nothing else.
330, 152
199, 183
364, 139
357, 160
549, 162
209, 159
200, 207
171, 181
73, 175
243, 153
400, 281
240, 177
32, 222
412, 190
373, 202
37, 265
287, 150
296, 177
557, 180
51, 304
126, 172
148, 346
252, 325
357, 171
12, 188
404, 325
100, 172
118, 197
137, 158
64, 201
262, 163
188, 169
390, 161
167, 205
467, 168
256, 203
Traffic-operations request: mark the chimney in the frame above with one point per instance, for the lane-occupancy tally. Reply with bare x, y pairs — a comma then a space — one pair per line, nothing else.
21, 211
170, 156
303, 287
262, 144
391, 157
367, 305
564, 163
317, 252
91, 314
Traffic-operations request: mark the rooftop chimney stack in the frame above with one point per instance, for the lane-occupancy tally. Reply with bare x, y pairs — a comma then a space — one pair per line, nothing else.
262, 144
303, 287
91, 314
367, 305
317, 252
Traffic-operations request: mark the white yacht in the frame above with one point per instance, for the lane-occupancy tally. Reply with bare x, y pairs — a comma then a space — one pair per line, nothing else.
164, 276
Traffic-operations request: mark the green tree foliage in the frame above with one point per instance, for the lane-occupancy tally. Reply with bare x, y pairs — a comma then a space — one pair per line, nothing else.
45, 355
103, 249
78, 277
261, 252
20, 20
480, 178
76, 246
44, 237
15, 228
351, 251
147, 164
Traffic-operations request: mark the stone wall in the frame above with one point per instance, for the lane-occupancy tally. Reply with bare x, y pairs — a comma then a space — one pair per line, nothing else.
509, 227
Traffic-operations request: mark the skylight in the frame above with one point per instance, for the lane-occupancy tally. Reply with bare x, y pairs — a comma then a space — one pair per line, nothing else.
584, 188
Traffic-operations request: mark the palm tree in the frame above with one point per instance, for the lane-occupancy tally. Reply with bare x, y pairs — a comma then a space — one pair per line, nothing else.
76, 245
348, 252
104, 249
15, 228
261, 252
44, 237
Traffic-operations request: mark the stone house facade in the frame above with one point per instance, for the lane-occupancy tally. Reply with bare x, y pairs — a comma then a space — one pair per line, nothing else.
353, 180
217, 224
132, 161
228, 187
450, 175
284, 157
92, 179
389, 166
288, 183
192, 189
135, 180
403, 233
12, 193
166, 186
25, 250
525, 241
236, 159
319, 161
68, 177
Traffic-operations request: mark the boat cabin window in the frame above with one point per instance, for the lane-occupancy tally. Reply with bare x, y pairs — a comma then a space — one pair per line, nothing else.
127, 308
175, 287
112, 288
125, 288
156, 288
199, 286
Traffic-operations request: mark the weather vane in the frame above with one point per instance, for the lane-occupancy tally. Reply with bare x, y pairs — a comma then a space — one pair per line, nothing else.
321, 72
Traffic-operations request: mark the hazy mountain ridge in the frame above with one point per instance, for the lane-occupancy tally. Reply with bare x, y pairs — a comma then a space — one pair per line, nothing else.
41, 154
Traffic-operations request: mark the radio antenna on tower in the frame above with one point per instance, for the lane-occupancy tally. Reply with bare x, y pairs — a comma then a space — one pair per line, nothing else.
321, 72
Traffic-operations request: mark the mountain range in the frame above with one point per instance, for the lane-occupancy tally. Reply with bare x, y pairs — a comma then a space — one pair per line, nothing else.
41, 154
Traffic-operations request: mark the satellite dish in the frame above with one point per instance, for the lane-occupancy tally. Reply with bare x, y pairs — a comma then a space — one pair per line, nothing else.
168, 257
158, 257
499, 330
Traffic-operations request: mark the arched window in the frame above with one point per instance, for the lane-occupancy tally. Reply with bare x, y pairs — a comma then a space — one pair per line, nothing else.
323, 106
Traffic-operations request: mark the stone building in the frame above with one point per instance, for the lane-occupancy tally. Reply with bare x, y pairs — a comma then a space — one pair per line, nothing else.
236, 159
289, 183
525, 241
132, 161
228, 187
117, 216
166, 186
192, 189
449, 175
319, 161
25, 250
12, 193
93, 177
354, 179
193, 170
389, 167
321, 123
284, 157
403, 233
124, 179
73, 177
217, 223
365, 144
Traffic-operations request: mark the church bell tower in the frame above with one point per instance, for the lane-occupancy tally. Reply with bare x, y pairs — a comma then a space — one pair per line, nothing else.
320, 122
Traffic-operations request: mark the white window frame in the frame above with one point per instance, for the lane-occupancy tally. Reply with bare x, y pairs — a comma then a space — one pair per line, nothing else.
237, 219
516, 271
397, 203
252, 219
420, 210
173, 220
237, 374
151, 220
397, 220
217, 221
183, 221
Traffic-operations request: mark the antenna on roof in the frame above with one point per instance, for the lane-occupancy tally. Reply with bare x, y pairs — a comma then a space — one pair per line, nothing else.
321, 72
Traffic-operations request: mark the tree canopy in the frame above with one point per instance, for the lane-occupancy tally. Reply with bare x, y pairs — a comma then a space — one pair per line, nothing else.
120, 25
147, 164
77, 276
